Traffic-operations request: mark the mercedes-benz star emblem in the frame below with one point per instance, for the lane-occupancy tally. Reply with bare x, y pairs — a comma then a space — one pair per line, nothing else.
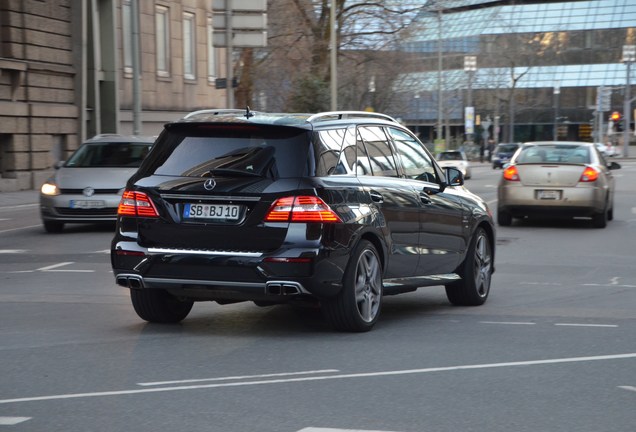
88, 191
209, 184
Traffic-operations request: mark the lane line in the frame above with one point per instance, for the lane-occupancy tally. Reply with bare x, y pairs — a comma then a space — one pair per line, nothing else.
13, 251
322, 378
54, 266
629, 388
319, 429
18, 229
508, 322
17, 206
12, 421
239, 377
584, 325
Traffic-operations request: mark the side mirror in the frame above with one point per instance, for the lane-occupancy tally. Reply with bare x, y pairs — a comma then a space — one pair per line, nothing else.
58, 164
454, 177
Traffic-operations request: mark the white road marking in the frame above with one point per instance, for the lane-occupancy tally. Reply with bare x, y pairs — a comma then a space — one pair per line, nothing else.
323, 378
18, 229
584, 325
508, 322
52, 268
104, 251
10, 421
18, 206
630, 388
12, 251
239, 377
313, 429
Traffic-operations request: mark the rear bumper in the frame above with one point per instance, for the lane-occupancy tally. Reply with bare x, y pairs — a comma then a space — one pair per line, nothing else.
230, 275
574, 201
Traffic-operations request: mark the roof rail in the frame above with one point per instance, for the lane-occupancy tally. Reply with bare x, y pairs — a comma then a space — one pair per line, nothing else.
222, 111
338, 115
106, 135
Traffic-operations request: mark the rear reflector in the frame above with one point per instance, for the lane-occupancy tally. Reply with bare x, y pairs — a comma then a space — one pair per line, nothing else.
301, 209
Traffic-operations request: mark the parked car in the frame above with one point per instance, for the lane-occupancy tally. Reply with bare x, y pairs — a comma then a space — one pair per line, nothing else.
607, 150
456, 159
339, 209
88, 186
502, 154
558, 179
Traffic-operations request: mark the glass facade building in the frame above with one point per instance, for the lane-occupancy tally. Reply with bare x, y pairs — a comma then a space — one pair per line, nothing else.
540, 68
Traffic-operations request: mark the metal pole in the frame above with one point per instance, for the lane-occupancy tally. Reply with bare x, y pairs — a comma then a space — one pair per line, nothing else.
555, 132
333, 57
229, 72
136, 88
627, 111
440, 103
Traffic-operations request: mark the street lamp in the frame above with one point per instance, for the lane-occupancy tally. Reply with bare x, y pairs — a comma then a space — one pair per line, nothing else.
470, 66
629, 57
557, 92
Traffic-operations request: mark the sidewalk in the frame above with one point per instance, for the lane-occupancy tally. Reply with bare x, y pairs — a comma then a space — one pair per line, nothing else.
8, 199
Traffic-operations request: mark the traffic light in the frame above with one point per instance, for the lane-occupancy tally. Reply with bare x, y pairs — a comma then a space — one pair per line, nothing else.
615, 117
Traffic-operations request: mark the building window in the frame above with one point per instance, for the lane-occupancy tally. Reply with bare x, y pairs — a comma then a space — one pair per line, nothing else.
212, 72
162, 34
126, 36
189, 46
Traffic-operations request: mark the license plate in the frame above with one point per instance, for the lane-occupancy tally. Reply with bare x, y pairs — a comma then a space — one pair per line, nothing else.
212, 211
549, 194
87, 204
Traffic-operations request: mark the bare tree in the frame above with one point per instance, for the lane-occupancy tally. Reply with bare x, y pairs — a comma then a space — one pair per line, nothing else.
293, 72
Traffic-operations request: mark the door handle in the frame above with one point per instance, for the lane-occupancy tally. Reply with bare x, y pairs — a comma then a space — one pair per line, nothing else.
425, 198
376, 197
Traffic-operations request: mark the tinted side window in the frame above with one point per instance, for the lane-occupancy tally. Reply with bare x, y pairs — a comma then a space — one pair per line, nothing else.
328, 145
379, 151
416, 161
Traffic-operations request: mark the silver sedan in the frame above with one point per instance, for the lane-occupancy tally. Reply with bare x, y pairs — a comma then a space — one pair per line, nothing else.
557, 179
88, 186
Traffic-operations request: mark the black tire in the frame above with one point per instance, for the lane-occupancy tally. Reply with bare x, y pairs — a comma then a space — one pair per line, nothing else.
504, 218
599, 220
157, 306
475, 273
53, 226
357, 307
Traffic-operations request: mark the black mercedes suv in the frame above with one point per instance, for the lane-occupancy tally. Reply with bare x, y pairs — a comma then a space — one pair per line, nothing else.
339, 208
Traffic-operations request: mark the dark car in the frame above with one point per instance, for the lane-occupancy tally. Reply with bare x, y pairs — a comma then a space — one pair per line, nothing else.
502, 154
339, 209
87, 187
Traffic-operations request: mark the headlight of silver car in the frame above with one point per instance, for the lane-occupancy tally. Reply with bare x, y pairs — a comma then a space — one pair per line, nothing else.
49, 188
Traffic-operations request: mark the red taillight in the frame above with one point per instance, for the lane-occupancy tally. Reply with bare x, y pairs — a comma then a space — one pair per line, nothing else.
511, 173
301, 209
136, 204
590, 174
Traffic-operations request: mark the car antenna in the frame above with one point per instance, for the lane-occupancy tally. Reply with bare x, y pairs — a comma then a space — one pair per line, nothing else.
248, 113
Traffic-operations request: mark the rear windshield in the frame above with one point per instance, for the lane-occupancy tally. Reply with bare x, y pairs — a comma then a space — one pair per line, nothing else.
233, 150
449, 156
554, 154
507, 148
111, 155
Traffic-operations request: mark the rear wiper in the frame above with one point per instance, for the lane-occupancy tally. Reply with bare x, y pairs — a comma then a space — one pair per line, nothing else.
230, 172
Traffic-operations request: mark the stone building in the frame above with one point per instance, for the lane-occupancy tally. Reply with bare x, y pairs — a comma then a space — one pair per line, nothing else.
66, 74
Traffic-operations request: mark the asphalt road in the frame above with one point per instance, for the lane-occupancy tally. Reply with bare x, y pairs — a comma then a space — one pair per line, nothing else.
553, 349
